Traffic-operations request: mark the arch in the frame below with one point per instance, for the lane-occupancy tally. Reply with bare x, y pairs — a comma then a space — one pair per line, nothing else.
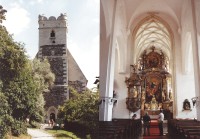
121, 50
187, 58
52, 111
152, 31
52, 117
198, 38
121, 35
52, 34
117, 56
105, 24
160, 7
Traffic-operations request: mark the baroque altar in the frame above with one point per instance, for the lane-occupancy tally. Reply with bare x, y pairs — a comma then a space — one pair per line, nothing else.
149, 84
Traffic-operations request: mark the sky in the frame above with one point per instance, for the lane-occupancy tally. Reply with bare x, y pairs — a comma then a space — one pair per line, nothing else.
83, 28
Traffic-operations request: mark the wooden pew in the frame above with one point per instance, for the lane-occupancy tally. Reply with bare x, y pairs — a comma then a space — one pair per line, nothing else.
126, 123
181, 129
136, 128
119, 129
186, 130
194, 133
131, 127
109, 130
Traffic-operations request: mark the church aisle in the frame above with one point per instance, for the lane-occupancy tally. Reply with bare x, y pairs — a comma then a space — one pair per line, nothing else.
154, 132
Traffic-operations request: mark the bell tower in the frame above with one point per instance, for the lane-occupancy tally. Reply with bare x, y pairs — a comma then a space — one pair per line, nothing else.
52, 31
53, 46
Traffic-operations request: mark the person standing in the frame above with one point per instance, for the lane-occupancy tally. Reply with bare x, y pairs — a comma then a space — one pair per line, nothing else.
160, 122
146, 121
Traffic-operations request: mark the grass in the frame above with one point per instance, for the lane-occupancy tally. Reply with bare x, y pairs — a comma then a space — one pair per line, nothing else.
20, 137
62, 134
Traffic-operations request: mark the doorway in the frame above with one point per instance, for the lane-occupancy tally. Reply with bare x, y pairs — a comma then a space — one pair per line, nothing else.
52, 117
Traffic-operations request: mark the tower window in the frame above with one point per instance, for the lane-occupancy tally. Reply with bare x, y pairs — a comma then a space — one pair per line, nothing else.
52, 33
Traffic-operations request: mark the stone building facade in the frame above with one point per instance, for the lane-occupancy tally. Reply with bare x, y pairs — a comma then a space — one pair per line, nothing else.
53, 46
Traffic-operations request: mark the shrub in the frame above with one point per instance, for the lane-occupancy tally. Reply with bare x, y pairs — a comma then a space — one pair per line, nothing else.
18, 128
81, 110
5, 118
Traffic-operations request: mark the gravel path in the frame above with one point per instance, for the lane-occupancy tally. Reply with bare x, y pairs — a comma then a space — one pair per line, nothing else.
39, 134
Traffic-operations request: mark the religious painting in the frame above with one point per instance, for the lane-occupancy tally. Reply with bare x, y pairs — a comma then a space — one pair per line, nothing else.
153, 59
153, 88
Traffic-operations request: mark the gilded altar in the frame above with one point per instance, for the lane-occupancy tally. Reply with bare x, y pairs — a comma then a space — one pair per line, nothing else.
148, 84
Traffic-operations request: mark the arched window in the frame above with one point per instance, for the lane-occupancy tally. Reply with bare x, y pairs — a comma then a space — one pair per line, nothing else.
52, 34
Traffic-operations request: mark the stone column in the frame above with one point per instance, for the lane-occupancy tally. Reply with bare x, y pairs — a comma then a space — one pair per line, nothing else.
107, 61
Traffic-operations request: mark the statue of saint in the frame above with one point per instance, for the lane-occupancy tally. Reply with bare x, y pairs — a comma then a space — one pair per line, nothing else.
170, 94
154, 104
135, 93
143, 99
163, 96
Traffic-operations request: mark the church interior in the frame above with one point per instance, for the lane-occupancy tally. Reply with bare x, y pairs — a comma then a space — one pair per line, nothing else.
149, 59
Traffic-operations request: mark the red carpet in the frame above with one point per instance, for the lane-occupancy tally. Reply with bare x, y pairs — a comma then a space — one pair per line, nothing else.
154, 131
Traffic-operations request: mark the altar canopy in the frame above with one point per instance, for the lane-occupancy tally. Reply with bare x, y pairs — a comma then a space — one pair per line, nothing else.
148, 84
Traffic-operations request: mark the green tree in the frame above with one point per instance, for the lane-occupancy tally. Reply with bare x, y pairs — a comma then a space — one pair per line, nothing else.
42, 74
22, 84
5, 117
16, 80
43, 79
81, 108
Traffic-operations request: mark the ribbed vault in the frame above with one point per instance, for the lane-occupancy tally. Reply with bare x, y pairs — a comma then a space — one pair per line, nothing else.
153, 31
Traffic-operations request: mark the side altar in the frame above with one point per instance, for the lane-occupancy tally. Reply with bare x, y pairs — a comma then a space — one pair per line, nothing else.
149, 84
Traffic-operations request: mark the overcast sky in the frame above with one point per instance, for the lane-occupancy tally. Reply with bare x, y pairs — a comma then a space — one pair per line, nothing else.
83, 28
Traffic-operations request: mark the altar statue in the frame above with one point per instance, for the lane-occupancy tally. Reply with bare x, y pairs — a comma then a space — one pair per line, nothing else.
135, 93
163, 96
143, 100
170, 95
153, 103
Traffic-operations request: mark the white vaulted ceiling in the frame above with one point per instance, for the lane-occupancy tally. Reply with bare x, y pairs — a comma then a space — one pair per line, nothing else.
155, 30
152, 31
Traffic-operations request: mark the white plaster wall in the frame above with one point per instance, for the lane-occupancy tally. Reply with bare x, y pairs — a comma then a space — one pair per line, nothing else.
184, 81
197, 8
198, 93
197, 28
185, 91
120, 110
105, 43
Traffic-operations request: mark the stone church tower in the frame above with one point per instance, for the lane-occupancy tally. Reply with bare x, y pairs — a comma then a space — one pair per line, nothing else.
53, 46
